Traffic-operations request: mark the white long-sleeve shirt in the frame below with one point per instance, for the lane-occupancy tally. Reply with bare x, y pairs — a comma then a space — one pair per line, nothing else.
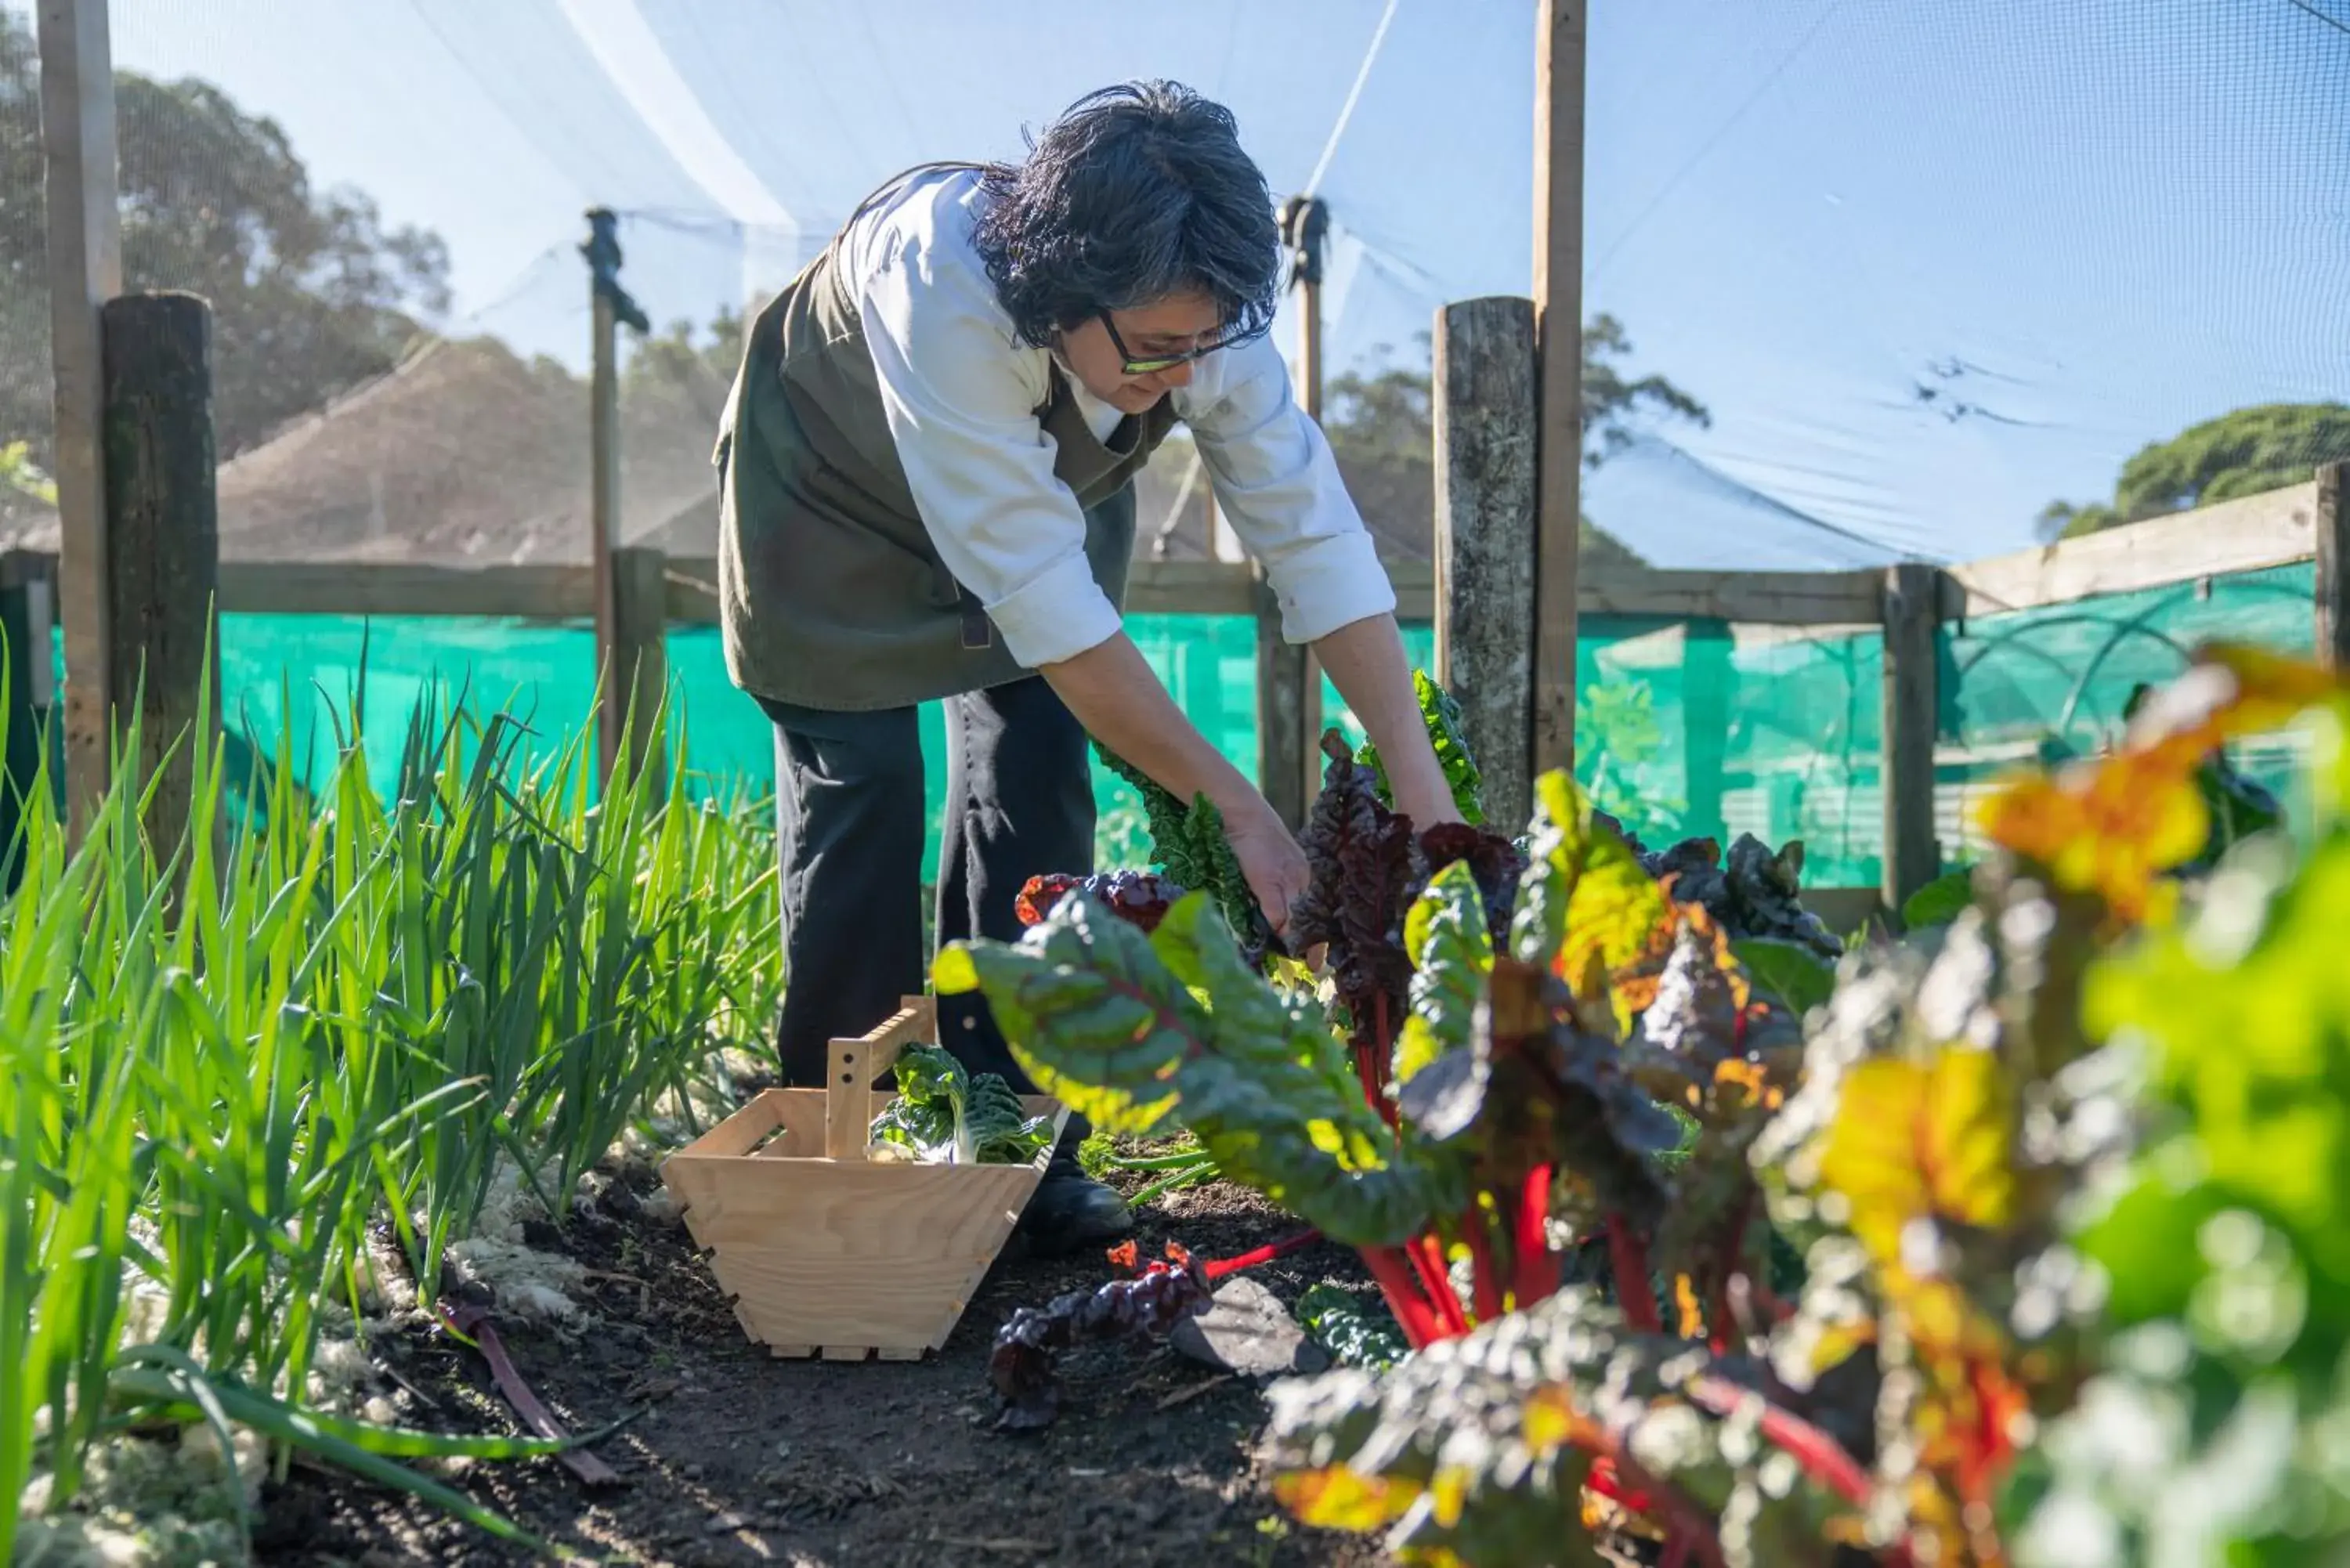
961, 390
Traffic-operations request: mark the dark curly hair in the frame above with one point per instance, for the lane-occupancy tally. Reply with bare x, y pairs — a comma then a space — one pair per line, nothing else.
1136, 192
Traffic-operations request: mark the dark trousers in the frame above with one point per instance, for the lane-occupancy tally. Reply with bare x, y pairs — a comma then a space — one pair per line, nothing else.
849, 812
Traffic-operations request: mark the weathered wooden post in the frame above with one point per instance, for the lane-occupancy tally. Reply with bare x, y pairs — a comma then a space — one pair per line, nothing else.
85, 256
1281, 674
1913, 857
609, 305
2333, 566
1484, 413
162, 524
1289, 679
640, 653
1560, 38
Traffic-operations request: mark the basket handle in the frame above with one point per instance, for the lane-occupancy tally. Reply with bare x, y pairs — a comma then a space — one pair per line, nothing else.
855, 1063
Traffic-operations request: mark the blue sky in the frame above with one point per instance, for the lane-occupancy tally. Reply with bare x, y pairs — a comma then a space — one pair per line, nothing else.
2085, 223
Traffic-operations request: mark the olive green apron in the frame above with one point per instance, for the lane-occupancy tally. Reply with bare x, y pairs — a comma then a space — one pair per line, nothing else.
831, 594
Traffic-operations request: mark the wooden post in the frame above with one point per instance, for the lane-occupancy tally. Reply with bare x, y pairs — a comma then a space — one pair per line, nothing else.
163, 521
1484, 409
610, 306
1281, 759
641, 642
1306, 223
603, 514
84, 271
1558, 326
2333, 566
1913, 857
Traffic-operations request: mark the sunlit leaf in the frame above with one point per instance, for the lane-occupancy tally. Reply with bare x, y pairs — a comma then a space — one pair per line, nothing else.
1921, 1141
1130, 1030
1452, 952
1586, 906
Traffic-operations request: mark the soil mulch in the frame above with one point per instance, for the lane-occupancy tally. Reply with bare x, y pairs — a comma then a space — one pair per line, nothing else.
740, 1458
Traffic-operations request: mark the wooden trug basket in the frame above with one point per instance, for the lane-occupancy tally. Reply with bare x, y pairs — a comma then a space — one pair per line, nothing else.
824, 1251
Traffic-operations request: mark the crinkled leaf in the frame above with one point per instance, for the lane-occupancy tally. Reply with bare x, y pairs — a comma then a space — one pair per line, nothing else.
1128, 1031
932, 1087
1496, 862
1359, 857
1002, 1131
1482, 1447
1356, 1330
1452, 952
942, 1113
1587, 904
1443, 716
1188, 844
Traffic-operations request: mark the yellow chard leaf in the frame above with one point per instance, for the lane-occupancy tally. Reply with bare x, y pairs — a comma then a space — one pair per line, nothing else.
1335, 1498
1920, 1141
1588, 909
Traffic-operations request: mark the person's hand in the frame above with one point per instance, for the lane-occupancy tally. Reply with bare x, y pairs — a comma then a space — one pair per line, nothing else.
1270, 859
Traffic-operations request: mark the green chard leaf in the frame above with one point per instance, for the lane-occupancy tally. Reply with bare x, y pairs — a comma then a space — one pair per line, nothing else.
1585, 898
1188, 844
1356, 1331
1442, 714
1132, 1031
1453, 949
942, 1113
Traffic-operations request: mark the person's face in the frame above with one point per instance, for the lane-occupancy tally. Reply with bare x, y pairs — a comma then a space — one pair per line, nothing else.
1177, 325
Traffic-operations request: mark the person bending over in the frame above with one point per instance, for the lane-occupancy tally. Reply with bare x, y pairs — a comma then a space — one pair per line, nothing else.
926, 476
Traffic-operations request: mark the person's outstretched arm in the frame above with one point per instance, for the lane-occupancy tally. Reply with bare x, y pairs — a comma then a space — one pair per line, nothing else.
1278, 482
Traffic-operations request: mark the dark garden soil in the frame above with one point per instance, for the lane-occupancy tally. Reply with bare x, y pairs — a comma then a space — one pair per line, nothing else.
740, 1458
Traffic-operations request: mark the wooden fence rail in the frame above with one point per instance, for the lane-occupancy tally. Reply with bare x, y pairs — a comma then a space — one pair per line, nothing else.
2309, 521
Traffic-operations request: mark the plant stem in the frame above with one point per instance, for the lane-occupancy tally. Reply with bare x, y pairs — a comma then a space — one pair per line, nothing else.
1537, 1266
1429, 1259
1823, 1458
1264, 1254
1412, 1312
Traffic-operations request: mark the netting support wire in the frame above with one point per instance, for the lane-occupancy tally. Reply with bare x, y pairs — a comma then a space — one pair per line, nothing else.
1347, 109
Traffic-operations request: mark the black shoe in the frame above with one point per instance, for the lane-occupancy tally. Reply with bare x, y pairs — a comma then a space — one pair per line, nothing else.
1070, 1210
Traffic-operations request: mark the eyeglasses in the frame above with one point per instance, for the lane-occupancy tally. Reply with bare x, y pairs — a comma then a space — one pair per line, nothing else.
1133, 365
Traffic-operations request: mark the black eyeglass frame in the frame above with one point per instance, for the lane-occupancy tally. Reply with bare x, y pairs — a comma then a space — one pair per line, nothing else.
1133, 365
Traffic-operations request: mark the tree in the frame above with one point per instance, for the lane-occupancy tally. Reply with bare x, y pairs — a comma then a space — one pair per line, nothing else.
2242, 452
1381, 431
311, 294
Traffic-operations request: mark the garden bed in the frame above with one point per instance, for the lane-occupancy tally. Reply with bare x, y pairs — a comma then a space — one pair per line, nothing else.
742, 1458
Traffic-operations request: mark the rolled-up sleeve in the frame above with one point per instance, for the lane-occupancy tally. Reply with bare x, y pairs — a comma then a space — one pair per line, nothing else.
962, 413
1278, 484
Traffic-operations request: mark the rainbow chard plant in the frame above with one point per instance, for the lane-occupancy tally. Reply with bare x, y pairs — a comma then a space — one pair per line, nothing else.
1483, 1079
